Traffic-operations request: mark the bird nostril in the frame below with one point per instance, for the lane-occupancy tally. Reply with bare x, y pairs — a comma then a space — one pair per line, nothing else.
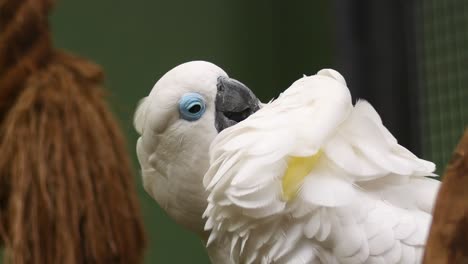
238, 116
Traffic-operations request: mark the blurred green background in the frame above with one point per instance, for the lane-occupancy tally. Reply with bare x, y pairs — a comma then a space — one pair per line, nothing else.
138, 41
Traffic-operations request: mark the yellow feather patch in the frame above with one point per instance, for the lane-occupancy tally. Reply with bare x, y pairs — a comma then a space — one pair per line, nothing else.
298, 168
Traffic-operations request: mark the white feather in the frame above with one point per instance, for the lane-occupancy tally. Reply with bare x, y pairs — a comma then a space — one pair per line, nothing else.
139, 120
365, 200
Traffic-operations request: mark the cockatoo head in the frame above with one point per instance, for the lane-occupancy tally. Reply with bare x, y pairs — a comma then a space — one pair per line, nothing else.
177, 122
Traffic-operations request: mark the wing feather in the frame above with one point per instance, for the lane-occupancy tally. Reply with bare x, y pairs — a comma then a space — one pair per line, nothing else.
365, 200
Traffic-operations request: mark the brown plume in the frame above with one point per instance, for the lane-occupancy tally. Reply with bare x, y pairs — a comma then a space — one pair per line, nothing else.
67, 194
448, 238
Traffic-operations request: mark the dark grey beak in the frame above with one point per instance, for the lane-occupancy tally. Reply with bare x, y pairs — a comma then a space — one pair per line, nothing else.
234, 103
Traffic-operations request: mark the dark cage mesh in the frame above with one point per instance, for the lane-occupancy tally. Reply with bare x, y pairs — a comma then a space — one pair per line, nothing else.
443, 28
409, 58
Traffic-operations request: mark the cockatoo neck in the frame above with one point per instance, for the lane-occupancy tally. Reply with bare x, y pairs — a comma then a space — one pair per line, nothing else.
182, 162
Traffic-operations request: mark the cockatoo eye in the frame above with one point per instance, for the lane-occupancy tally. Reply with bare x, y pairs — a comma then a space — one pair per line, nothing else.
191, 106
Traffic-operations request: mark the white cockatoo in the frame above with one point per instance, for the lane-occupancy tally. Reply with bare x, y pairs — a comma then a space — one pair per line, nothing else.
308, 178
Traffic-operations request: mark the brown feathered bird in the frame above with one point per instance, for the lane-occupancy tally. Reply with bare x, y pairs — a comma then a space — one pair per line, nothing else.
67, 194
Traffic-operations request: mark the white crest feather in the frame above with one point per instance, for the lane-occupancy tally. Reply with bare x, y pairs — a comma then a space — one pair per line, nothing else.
139, 118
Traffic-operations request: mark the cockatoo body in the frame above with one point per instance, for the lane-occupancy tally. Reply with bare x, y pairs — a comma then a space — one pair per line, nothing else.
310, 178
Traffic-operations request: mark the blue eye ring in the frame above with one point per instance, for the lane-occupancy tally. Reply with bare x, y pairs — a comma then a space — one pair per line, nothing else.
192, 106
